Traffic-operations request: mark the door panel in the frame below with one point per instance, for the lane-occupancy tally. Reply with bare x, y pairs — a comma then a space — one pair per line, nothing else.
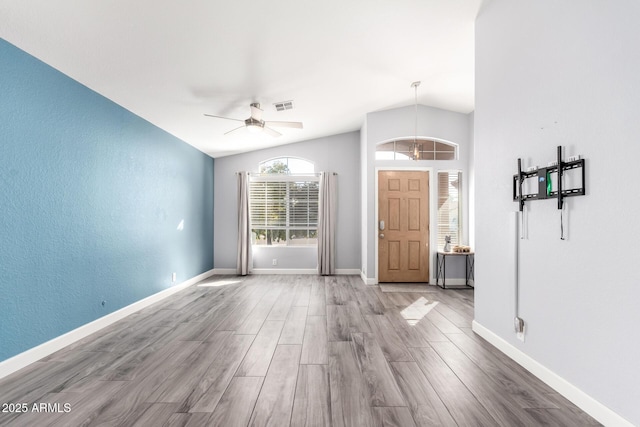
394, 255
414, 214
394, 214
414, 255
403, 245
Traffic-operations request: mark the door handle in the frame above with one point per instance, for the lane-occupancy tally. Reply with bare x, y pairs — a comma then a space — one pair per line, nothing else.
381, 236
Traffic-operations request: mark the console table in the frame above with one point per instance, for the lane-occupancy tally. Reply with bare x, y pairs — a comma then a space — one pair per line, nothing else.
441, 266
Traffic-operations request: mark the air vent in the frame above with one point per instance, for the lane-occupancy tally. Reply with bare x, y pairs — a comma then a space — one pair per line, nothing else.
284, 105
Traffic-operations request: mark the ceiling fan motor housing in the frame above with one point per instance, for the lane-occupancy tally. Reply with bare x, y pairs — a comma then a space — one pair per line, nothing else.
253, 122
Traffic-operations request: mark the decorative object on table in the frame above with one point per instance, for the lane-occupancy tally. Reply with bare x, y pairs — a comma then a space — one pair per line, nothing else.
461, 249
447, 244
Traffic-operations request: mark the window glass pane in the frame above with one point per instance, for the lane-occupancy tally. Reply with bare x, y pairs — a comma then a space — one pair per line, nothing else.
387, 146
445, 156
449, 208
427, 155
385, 151
276, 207
403, 150
384, 155
429, 150
284, 208
427, 145
441, 146
269, 237
303, 203
275, 166
258, 236
303, 237
258, 203
300, 166
286, 166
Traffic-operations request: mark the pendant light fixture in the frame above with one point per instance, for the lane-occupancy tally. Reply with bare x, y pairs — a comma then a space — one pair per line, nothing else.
416, 148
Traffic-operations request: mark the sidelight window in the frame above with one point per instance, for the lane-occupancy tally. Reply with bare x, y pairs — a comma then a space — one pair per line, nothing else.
449, 207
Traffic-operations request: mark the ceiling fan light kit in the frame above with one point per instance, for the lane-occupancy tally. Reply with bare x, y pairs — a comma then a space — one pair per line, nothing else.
255, 124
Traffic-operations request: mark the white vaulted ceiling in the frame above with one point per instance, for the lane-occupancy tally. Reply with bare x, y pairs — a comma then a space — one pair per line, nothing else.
172, 61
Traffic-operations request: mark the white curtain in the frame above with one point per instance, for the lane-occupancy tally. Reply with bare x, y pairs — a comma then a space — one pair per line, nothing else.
245, 258
327, 199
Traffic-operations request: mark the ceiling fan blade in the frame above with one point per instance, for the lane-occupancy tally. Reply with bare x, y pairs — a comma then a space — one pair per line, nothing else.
296, 125
226, 118
271, 132
256, 113
233, 130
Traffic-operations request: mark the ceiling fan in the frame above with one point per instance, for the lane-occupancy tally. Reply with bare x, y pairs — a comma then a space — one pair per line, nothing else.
255, 123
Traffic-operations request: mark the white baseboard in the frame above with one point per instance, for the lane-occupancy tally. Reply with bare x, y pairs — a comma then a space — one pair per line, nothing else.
34, 354
284, 271
585, 402
306, 271
367, 280
224, 271
348, 271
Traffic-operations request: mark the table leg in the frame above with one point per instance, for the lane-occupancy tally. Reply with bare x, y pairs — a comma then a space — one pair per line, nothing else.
469, 273
441, 270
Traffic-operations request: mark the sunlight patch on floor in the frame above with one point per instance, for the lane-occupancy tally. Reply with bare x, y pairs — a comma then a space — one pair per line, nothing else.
417, 310
218, 283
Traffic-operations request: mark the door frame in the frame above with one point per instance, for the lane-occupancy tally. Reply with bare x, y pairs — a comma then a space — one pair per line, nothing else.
433, 214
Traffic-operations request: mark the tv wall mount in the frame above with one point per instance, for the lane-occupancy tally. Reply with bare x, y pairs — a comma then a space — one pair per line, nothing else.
542, 175
545, 188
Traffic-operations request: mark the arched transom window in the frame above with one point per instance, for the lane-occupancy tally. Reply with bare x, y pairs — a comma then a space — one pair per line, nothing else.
286, 166
425, 149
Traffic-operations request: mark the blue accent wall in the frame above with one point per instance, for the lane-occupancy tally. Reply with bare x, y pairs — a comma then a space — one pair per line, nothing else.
91, 199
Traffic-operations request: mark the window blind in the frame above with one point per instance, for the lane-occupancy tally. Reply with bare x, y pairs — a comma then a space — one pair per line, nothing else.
284, 211
449, 207
268, 204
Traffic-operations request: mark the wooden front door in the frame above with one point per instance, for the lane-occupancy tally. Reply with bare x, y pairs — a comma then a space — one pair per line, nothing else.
403, 244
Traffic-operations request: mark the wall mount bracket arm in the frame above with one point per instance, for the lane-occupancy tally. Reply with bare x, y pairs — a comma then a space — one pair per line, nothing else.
542, 176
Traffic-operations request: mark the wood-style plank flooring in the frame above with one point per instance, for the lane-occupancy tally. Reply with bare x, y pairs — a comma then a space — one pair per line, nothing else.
288, 350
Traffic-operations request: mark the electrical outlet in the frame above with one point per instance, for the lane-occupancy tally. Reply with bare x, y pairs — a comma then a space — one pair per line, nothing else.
275, 261
173, 277
520, 328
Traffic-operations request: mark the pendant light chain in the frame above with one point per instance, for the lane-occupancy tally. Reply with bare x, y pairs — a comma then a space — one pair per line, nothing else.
416, 150
415, 139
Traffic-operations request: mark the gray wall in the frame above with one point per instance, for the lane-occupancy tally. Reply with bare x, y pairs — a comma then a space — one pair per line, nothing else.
338, 153
400, 122
364, 218
554, 73
471, 188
